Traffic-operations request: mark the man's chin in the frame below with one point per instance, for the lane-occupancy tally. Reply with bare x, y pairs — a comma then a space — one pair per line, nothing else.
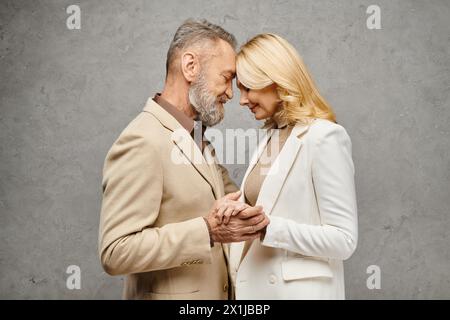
217, 121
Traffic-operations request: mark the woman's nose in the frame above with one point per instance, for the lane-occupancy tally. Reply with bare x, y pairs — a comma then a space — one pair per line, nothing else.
243, 101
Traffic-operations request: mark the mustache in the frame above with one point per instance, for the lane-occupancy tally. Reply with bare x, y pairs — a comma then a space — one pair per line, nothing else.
222, 99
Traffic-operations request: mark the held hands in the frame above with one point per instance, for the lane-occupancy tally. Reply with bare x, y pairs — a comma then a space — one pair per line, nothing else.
233, 221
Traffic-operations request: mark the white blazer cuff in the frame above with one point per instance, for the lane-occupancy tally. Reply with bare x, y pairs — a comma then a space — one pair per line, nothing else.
275, 233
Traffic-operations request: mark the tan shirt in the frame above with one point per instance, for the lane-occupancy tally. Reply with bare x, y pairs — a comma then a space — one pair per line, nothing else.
259, 172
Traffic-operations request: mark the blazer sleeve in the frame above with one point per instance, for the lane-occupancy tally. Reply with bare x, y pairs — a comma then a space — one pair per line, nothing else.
132, 193
334, 188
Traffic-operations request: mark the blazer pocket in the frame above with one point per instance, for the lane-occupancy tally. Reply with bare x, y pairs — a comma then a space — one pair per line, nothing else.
303, 268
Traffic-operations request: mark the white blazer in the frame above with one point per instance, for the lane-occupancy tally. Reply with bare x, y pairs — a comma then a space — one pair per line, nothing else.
309, 196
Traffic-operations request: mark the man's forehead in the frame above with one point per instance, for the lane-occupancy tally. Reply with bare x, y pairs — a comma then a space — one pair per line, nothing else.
223, 59
226, 66
227, 56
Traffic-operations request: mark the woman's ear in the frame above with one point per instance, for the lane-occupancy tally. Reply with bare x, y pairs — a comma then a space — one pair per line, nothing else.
279, 90
189, 66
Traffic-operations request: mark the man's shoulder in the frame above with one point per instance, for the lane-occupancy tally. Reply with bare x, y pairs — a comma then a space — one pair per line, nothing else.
145, 126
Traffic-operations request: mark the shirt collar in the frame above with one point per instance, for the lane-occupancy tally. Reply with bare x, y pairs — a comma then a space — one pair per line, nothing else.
183, 119
186, 122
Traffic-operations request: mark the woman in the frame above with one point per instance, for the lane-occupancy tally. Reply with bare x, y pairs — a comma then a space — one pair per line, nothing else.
307, 189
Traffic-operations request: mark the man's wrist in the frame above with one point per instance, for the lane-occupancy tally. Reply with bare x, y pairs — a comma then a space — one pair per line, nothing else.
211, 241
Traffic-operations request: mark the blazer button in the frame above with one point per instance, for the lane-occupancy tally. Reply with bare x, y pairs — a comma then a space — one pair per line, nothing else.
272, 278
225, 287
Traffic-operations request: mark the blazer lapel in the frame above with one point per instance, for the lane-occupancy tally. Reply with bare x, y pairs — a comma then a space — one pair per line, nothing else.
217, 178
277, 174
280, 168
183, 140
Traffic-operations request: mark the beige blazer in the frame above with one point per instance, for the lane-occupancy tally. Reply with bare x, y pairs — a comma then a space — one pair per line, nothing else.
309, 195
157, 185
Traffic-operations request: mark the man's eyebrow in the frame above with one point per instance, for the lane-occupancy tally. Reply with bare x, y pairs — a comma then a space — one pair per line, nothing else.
230, 73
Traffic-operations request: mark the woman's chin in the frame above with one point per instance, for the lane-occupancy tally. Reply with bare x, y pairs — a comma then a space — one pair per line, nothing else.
259, 116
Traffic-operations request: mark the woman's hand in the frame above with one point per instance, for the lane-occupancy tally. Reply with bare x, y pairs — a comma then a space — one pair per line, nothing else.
228, 208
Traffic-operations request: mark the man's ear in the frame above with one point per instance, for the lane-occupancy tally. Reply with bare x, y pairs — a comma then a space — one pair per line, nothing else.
190, 66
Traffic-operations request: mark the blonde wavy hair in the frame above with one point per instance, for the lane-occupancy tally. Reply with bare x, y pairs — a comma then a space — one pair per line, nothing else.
268, 59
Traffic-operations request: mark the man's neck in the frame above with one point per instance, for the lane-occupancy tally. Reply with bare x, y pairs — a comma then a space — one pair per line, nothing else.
178, 96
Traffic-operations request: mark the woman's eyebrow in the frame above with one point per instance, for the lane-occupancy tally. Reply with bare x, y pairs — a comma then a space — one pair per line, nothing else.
240, 85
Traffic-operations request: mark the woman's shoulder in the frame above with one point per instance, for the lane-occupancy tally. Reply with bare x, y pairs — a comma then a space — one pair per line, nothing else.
320, 128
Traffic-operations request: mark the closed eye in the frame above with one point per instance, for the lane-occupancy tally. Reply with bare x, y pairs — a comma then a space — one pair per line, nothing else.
226, 78
244, 88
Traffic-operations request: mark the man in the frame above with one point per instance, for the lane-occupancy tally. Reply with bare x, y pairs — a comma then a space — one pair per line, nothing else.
162, 190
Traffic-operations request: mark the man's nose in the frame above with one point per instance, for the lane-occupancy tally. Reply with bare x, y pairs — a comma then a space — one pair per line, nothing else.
229, 93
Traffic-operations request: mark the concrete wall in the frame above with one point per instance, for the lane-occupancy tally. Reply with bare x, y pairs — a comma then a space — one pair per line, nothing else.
67, 94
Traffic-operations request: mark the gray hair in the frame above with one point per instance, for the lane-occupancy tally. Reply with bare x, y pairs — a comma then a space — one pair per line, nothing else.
196, 32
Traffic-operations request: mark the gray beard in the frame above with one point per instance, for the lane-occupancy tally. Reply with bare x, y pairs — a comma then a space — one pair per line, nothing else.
206, 105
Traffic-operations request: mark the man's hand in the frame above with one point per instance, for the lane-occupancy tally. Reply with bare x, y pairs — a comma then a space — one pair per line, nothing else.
228, 206
242, 221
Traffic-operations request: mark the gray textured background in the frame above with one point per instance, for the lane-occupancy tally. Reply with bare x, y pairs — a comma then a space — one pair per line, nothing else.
67, 94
